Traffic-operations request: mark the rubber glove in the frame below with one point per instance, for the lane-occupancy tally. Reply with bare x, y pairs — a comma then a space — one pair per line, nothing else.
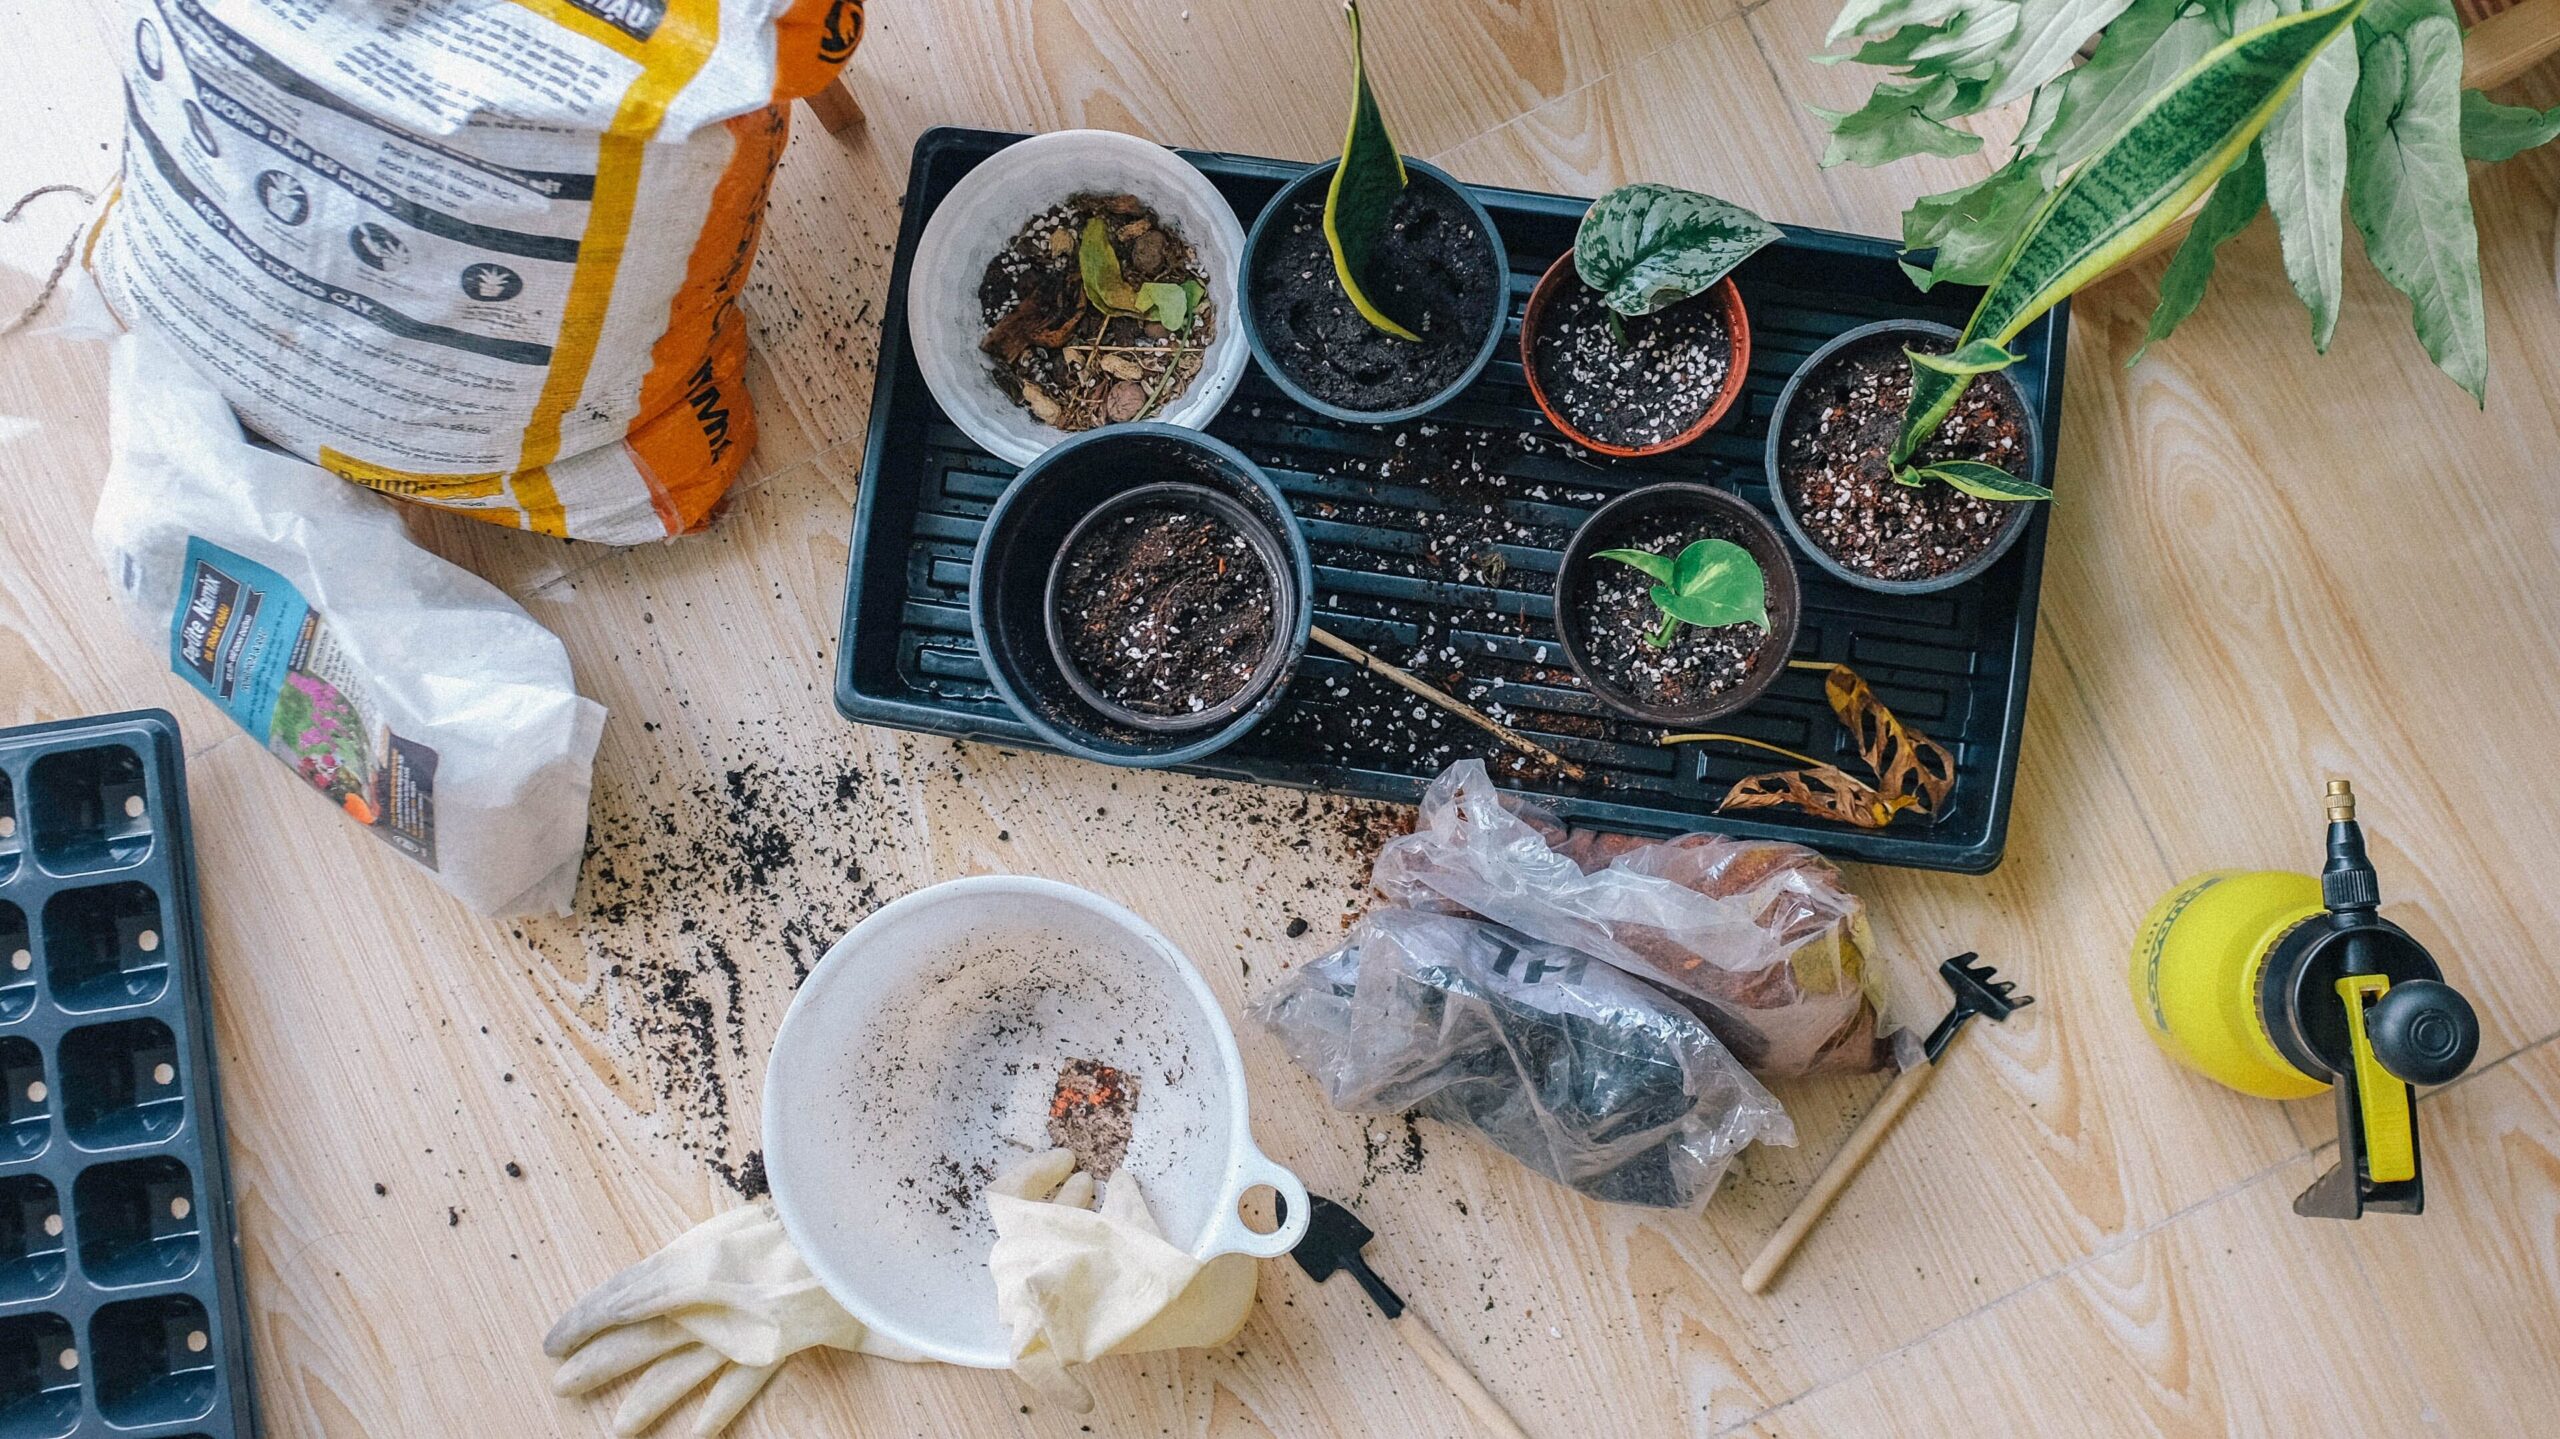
1074, 1284
727, 1302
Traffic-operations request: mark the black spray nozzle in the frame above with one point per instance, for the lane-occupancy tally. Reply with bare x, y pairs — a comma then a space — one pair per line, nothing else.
2347, 883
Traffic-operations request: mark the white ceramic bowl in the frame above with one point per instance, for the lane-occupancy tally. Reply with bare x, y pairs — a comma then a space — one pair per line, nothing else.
919, 1059
990, 205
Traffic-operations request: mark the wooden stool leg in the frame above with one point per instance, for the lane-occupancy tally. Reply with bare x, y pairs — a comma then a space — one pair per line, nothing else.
836, 108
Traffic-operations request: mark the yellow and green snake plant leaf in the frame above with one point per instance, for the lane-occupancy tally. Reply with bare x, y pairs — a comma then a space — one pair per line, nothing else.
1364, 189
2165, 158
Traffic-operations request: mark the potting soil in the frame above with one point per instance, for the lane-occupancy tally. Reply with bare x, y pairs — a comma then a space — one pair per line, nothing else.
1644, 389
1432, 272
1844, 422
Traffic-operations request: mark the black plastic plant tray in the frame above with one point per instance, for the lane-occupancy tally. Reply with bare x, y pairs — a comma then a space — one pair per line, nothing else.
1953, 664
120, 1301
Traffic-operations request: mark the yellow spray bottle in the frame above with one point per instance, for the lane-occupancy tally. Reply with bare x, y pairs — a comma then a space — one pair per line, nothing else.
2281, 985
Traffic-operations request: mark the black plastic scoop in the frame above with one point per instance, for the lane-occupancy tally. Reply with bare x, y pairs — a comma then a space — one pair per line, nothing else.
1332, 1244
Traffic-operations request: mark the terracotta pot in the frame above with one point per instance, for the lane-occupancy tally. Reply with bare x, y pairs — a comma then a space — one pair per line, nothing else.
1737, 325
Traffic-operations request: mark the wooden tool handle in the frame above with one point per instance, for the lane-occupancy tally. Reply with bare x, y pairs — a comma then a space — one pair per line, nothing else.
1488, 1411
1835, 1176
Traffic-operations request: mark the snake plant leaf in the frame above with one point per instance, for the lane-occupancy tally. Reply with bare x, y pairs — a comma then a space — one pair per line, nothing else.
1364, 189
2152, 43
1985, 482
1645, 246
2494, 132
1659, 568
2165, 158
1974, 357
2304, 153
2235, 202
2410, 194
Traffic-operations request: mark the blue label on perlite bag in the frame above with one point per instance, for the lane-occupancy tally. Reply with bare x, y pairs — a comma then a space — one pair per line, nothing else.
255, 647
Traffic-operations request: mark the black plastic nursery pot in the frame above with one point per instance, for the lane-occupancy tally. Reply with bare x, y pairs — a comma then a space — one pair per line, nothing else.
1728, 517
1017, 581
1816, 381
1314, 345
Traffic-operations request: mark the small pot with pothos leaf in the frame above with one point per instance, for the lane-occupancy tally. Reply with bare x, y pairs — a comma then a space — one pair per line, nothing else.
1636, 341
1676, 604
1375, 286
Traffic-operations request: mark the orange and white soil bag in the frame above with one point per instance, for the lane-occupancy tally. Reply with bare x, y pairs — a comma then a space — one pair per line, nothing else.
479, 254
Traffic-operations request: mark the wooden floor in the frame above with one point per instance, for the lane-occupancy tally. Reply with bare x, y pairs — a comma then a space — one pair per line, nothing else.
2270, 568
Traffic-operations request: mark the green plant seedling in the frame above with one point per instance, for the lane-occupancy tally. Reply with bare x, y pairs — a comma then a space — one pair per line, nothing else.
1711, 583
1646, 246
1108, 290
2164, 158
1364, 190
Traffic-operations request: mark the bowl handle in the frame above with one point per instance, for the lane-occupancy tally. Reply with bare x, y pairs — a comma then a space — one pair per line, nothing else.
1228, 1233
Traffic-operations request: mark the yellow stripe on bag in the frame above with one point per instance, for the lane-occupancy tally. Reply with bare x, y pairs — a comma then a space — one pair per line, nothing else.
411, 484
669, 61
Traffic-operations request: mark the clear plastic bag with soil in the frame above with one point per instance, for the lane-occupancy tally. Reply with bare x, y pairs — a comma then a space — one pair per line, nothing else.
1432, 272
1593, 1078
1069, 363
1832, 459
1761, 934
1171, 610
1640, 382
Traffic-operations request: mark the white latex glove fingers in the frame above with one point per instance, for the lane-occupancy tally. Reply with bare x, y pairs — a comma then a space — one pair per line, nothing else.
662, 1384
1076, 1193
1053, 1381
737, 1386
652, 1286
617, 1352
1034, 1177
1125, 1205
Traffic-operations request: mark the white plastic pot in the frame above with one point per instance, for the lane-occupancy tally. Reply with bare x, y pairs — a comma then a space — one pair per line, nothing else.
919, 1058
988, 208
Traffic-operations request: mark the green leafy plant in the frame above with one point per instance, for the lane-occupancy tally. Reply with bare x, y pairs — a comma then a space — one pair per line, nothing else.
1711, 583
2165, 156
1108, 290
1362, 195
2378, 129
1646, 246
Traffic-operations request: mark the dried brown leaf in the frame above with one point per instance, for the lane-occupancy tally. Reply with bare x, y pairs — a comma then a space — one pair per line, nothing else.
1823, 790
1907, 763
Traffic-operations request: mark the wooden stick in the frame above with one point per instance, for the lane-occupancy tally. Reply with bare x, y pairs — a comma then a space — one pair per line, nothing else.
1470, 1390
1835, 1176
2494, 51
1444, 700
836, 108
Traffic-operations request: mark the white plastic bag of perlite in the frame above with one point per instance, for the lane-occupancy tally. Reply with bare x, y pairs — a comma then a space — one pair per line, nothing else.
416, 697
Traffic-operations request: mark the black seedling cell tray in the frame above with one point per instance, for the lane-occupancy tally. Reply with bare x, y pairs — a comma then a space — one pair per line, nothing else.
1436, 543
120, 1300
